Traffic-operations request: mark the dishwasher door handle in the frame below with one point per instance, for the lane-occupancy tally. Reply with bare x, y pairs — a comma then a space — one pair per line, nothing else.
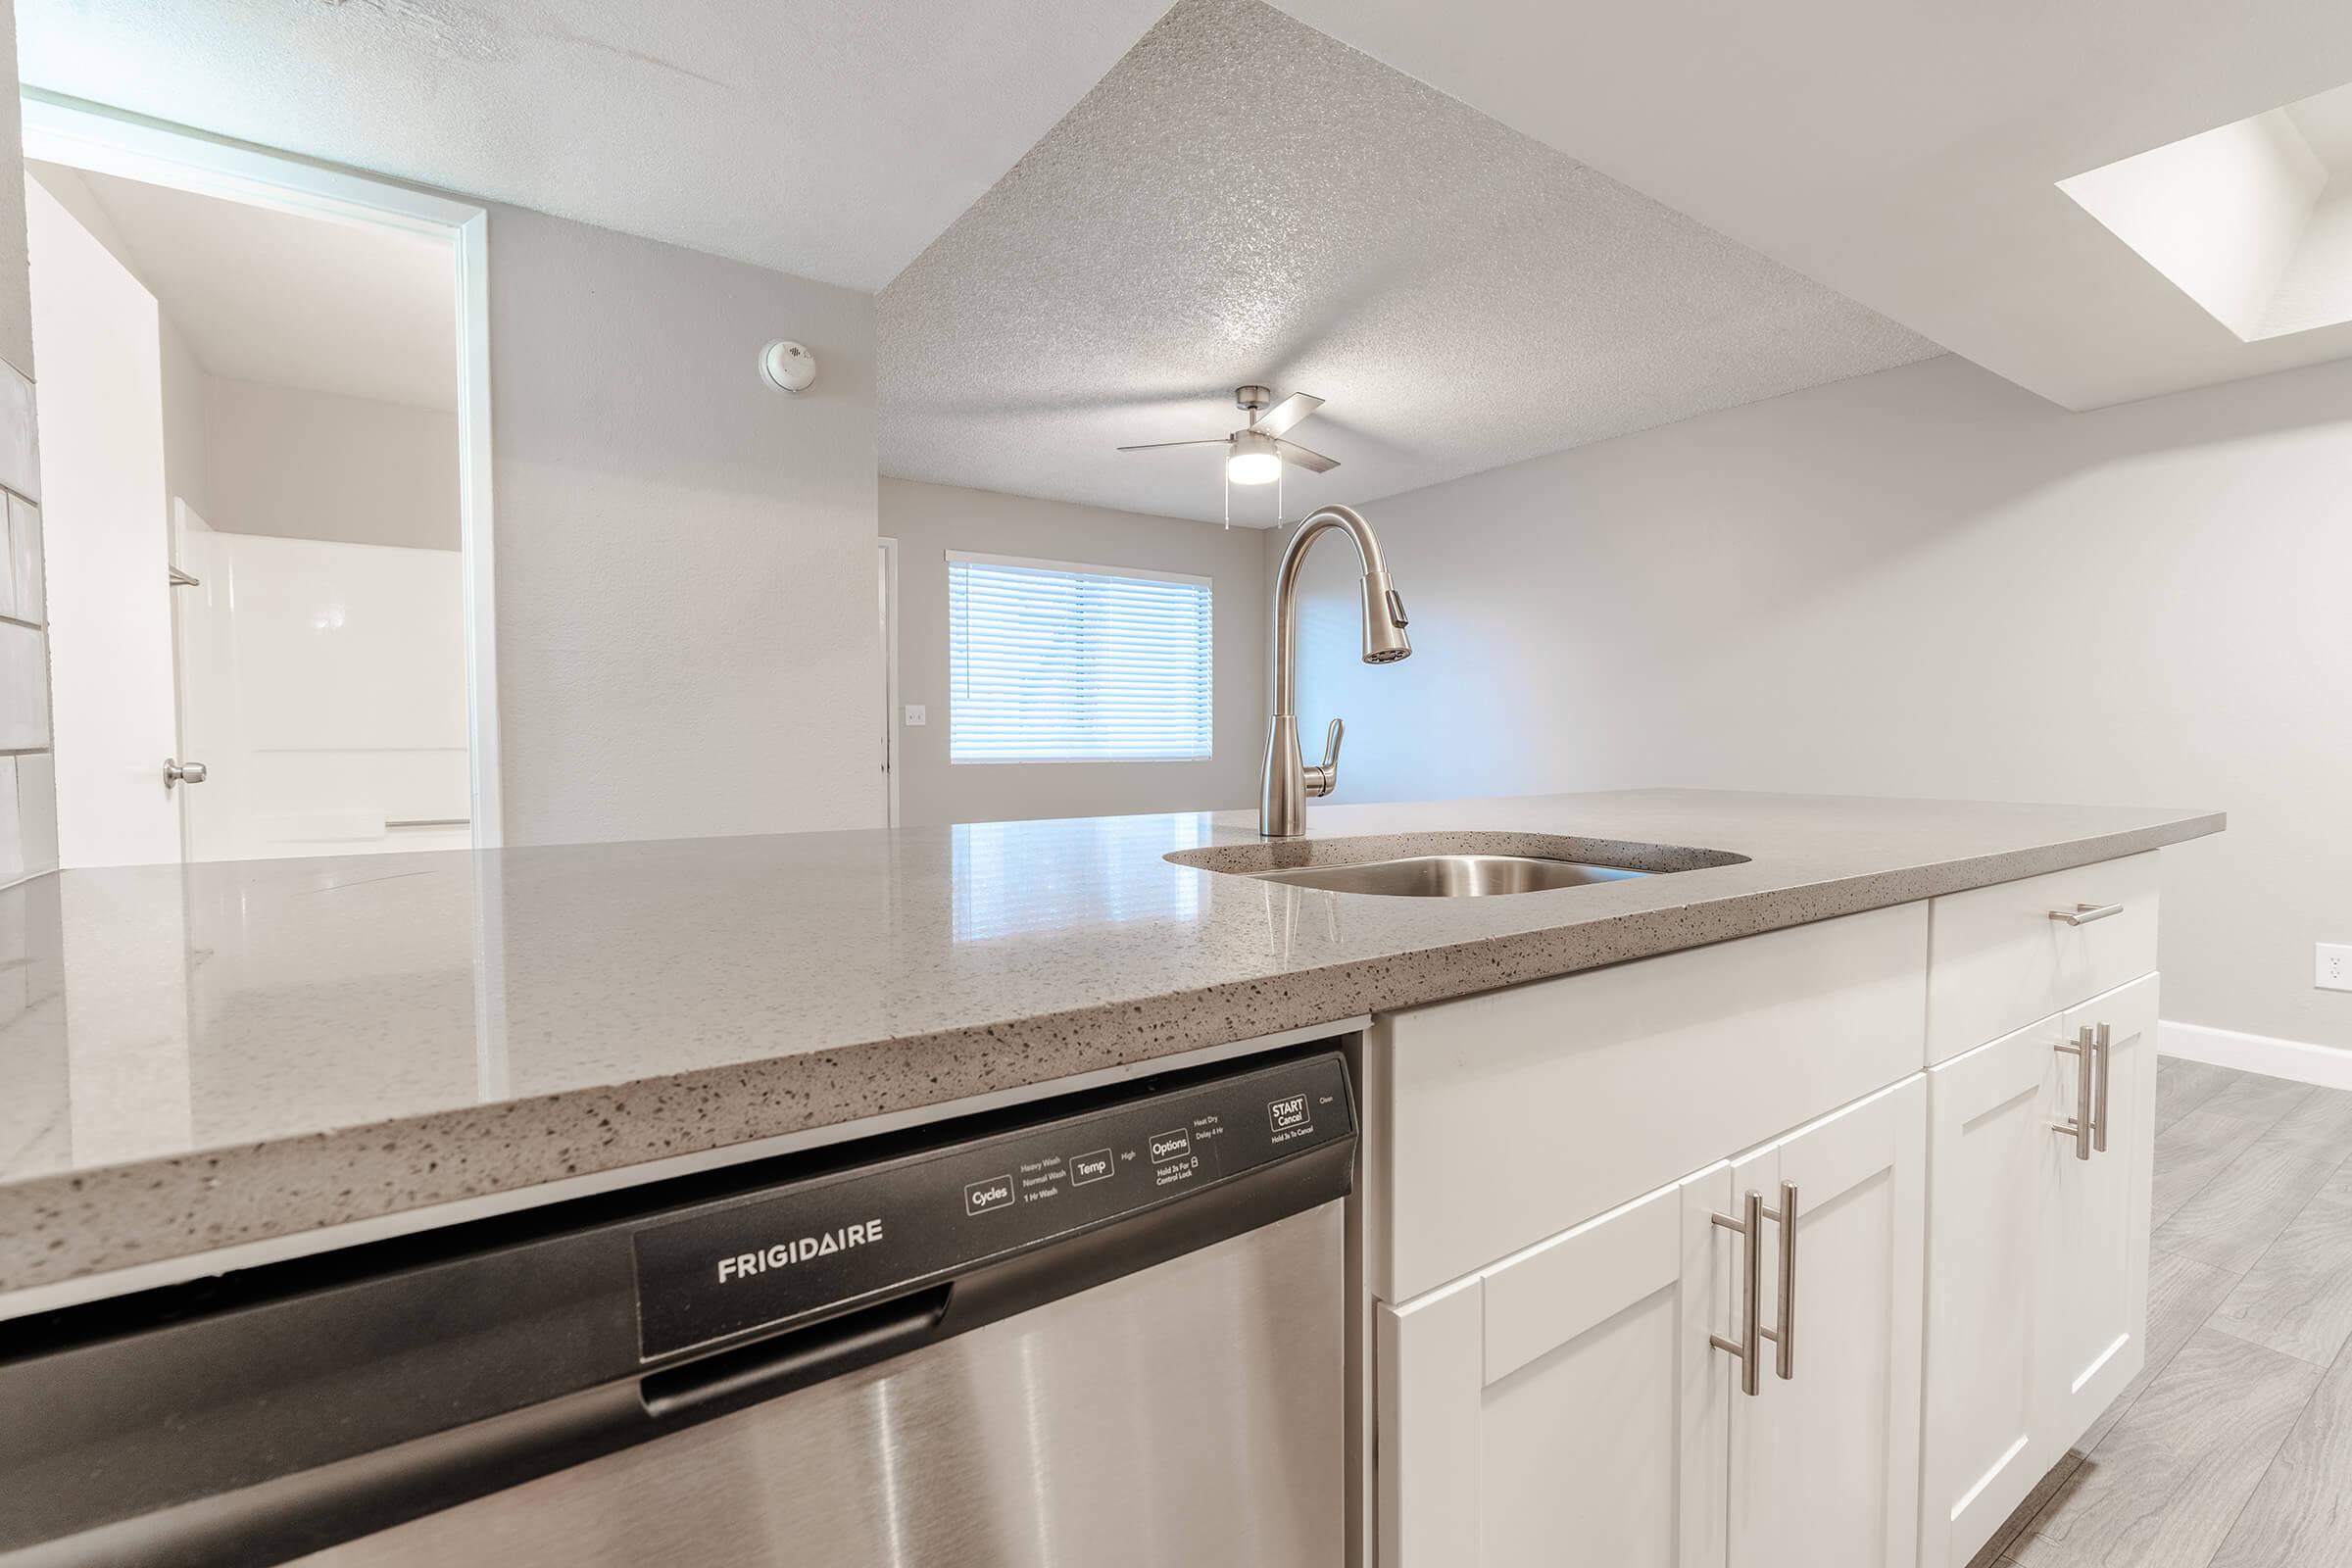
787, 1361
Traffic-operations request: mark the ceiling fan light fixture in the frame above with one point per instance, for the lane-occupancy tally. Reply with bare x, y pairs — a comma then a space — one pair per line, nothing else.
1253, 459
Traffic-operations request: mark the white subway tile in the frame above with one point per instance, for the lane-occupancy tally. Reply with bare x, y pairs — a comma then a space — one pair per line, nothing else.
36, 809
25, 564
23, 689
12, 827
20, 437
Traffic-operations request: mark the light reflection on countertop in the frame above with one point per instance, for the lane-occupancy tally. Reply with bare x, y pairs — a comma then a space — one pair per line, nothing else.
196, 1057
1008, 883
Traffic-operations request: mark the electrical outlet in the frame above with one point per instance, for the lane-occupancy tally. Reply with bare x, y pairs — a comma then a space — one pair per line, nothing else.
917, 715
2335, 966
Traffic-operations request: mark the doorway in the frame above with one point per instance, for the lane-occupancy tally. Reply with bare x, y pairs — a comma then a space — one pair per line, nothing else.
886, 596
263, 412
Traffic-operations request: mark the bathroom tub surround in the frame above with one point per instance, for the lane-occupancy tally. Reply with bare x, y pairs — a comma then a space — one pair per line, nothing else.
236, 1053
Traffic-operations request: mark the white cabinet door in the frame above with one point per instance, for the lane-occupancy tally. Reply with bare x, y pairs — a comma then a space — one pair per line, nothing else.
1563, 1405
1989, 1145
2095, 1217
1825, 1462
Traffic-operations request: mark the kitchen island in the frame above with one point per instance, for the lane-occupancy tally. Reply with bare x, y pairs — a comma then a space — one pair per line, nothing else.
223, 1055
1787, 1202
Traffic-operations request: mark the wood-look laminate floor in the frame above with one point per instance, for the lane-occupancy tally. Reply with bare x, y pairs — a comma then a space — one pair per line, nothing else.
2233, 1449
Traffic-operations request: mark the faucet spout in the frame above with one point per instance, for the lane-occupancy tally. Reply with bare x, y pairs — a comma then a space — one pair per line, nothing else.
1285, 782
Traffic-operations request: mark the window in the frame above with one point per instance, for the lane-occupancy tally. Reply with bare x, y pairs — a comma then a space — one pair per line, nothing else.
1053, 663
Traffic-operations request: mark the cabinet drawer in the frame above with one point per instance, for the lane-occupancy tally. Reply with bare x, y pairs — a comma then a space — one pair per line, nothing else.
1997, 960
1501, 1119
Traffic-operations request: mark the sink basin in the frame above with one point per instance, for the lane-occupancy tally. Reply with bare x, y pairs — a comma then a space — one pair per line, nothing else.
1456, 864
1450, 876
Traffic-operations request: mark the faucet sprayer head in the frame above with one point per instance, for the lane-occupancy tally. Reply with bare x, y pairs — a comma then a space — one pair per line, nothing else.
1384, 641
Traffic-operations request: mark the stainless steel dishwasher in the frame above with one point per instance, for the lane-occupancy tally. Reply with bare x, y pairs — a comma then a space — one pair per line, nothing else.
1103, 1330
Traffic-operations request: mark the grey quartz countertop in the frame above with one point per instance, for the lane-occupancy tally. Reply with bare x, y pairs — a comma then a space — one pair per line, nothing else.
204, 1056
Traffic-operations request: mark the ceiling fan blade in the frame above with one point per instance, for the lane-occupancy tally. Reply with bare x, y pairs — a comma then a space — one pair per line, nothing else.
1311, 462
1155, 446
1288, 413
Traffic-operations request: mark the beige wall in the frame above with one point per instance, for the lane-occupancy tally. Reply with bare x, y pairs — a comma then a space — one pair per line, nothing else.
315, 465
929, 519
1920, 582
686, 620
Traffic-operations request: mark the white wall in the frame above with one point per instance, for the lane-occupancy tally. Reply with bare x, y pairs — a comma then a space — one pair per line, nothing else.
686, 617
304, 464
186, 475
108, 604
1920, 582
325, 692
930, 519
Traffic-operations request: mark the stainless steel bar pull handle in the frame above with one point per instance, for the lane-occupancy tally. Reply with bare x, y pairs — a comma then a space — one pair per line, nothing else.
1750, 1225
2079, 1126
2084, 914
1784, 1337
2101, 1047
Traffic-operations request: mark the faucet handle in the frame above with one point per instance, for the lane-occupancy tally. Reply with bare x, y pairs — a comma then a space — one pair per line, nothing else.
1323, 779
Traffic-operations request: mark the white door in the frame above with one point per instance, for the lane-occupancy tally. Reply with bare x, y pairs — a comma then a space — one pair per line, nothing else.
100, 411
1988, 1142
1825, 1462
2095, 1213
1564, 1406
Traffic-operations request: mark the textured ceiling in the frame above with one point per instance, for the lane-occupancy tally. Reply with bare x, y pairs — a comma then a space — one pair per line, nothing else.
828, 138
1243, 199
352, 308
1906, 155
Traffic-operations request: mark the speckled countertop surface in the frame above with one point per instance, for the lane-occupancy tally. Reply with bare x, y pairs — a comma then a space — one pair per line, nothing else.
195, 1058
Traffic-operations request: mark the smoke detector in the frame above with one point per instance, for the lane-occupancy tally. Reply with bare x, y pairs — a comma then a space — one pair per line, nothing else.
786, 366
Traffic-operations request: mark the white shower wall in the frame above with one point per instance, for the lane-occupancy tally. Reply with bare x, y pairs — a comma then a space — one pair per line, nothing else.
324, 687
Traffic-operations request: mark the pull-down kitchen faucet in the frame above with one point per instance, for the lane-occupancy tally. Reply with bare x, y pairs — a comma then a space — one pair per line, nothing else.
1287, 781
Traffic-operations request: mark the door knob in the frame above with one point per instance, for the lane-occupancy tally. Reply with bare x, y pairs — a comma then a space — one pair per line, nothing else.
181, 772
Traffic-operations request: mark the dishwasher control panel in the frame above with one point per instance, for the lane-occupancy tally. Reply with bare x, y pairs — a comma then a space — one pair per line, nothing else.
764, 1259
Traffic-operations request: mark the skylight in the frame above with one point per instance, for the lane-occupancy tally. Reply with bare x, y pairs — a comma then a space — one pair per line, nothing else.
2253, 220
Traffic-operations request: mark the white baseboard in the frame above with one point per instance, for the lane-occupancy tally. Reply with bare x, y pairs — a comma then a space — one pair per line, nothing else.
2305, 1064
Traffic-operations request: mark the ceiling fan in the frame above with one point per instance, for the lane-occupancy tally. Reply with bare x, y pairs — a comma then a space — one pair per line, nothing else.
1255, 453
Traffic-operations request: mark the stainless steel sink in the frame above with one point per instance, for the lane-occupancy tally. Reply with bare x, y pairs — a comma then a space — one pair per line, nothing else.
1450, 876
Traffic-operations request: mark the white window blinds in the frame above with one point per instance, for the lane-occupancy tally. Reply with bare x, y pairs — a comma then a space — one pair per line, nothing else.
1050, 662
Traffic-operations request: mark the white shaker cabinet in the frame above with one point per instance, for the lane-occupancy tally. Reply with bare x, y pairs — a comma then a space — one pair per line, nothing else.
1961, 1290
1564, 1403
2095, 1215
1575, 1402
1825, 1462
1992, 1151
2038, 1264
